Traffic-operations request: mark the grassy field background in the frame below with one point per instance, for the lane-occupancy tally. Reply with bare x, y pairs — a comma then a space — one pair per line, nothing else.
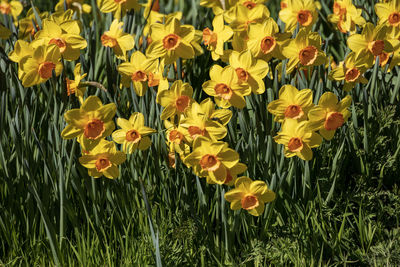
342, 207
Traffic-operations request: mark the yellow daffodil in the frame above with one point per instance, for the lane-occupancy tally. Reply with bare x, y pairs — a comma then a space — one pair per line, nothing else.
118, 40
68, 39
298, 139
389, 14
156, 17
393, 58
215, 39
223, 115
28, 26
197, 122
76, 5
170, 41
304, 51
303, 12
21, 50
265, 41
231, 174
40, 66
250, 4
13, 8
138, 71
90, 123
225, 87
351, 70
74, 86
118, 7
176, 100
218, 6
4, 32
292, 103
249, 195
211, 158
329, 115
240, 17
372, 40
249, 70
103, 160
177, 138
346, 16
133, 134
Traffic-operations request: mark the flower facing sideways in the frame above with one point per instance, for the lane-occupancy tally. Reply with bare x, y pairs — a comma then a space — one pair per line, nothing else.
103, 160
74, 86
215, 39
90, 123
292, 103
298, 139
133, 134
249, 195
118, 40
329, 115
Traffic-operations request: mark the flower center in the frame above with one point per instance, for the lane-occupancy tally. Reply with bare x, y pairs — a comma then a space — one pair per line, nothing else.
133, 136
223, 91
394, 19
304, 17
295, 144
153, 80
139, 76
103, 164
46, 69
339, 9
195, 131
376, 47
249, 4
108, 41
94, 129
294, 112
60, 43
5, 8
182, 103
175, 136
268, 44
171, 41
249, 202
333, 121
209, 37
308, 55
352, 75
242, 75
209, 162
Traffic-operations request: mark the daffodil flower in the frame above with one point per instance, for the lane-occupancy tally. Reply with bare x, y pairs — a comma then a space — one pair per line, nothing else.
133, 134
292, 103
90, 123
103, 160
177, 138
249, 195
389, 14
215, 39
231, 174
118, 40
76, 5
346, 16
28, 26
211, 158
74, 86
13, 8
298, 139
303, 12
118, 7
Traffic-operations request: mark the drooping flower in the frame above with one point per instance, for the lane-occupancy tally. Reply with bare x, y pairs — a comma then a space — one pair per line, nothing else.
249, 70
138, 71
304, 51
74, 86
372, 40
303, 12
13, 8
292, 103
249, 195
176, 100
103, 160
215, 39
66, 38
133, 134
351, 70
171, 41
225, 87
118, 7
90, 123
40, 66
118, 40
346, 16
265, 41
329, 114
298, 139
211, 158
